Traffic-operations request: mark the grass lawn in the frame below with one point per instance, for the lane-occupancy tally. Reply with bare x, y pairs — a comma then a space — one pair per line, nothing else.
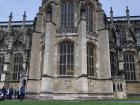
25, 102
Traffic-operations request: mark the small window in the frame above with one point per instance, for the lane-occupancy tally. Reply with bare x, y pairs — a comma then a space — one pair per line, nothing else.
89, 24
113, 61
122, 35
118, 88
18, 60
90, 60
121, 88
1, 63
114, 88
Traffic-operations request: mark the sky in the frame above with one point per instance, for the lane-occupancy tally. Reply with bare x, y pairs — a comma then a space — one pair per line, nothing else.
119, 7
31, 7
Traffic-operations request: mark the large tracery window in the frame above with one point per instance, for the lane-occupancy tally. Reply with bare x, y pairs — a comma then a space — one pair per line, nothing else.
1, 63
113, 61
18, 60
129, 66
66, 58
89, 25
90, 60
67, 14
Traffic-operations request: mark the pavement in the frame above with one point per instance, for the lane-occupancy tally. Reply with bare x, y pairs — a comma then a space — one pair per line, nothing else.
121, 101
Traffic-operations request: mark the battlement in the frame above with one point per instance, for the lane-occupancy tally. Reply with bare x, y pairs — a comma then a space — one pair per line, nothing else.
16, 23
124, 19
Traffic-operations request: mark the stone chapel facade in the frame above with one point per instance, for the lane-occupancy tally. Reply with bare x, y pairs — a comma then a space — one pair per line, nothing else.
72, 51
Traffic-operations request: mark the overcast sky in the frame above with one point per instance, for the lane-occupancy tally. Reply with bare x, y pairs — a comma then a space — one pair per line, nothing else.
31, 7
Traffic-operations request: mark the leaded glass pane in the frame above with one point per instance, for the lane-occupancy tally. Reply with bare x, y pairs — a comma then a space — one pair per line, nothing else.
66, 58
90, 60
113, 63
1, 63
67, 14
89, 25
129, 66
18, 60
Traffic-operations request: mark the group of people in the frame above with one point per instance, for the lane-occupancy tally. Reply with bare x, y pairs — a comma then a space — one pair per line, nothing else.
11, 93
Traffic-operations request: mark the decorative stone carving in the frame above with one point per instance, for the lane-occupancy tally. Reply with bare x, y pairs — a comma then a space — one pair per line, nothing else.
121, 62
49, 12
83, 10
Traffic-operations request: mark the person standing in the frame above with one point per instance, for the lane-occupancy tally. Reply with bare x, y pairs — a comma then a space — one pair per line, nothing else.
1, 95
15, 93
7, 93
3, 90
21, 93
11, 90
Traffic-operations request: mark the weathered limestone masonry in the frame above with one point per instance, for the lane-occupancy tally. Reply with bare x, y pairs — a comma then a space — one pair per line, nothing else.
72, 51
15, 46
124, 54
48, 83
33, 86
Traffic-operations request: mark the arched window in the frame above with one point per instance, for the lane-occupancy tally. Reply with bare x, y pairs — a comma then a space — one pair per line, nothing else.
122, 35
113, 61
129, 66
89, 25
66, 58
67, 14
1, 63
17, 44
18, 60
90, 59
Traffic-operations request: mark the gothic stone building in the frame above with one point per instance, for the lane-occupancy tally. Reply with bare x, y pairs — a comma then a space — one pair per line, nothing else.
72, 51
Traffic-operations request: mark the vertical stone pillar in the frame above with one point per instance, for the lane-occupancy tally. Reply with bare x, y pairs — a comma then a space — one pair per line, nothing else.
83, 52
47, 80
47, 72
105, 71
104, 77
24, 72
10, 43
111, 16
138, 67
34, 74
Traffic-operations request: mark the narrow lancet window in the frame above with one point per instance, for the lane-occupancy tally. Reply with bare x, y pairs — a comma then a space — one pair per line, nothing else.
90, 60
18, 60
89, 24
